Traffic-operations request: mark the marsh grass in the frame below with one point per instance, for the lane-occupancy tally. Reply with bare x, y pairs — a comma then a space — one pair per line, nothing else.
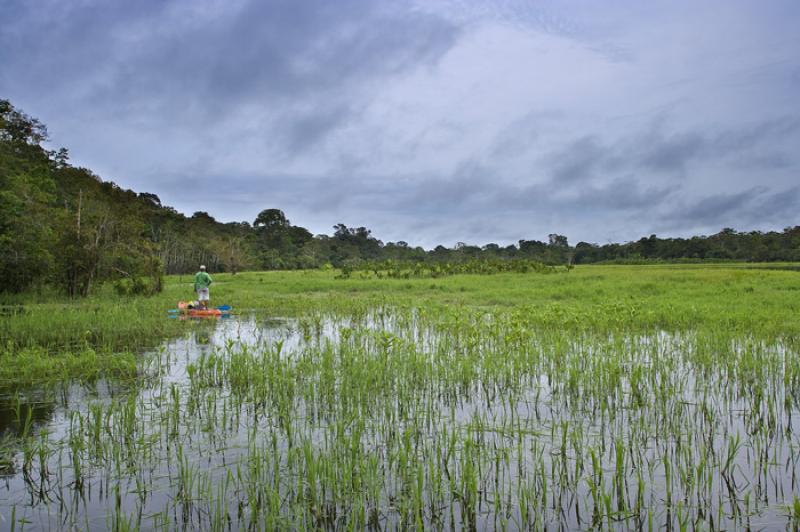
606, 398
726, 297
35, 365
409, 418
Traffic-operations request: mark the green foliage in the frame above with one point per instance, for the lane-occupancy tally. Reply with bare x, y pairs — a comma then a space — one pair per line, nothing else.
271, 219
63, 224
727, 245
278, 244
393, 269
38, 365
26, 191
135, 286
600, 298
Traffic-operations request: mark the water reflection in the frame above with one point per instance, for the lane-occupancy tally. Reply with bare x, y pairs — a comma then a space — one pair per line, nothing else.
275, 423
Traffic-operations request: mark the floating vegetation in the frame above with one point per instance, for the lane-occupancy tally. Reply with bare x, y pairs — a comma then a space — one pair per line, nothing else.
398, 269
408, 417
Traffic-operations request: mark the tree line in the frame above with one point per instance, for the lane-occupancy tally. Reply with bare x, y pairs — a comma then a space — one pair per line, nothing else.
64, 226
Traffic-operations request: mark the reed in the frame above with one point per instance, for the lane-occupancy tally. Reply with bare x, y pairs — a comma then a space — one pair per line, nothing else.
432, 412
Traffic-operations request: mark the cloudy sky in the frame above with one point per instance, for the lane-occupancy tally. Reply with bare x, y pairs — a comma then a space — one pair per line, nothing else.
434, 121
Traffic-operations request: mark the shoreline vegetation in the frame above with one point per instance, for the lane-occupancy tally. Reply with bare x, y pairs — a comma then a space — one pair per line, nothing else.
739, 299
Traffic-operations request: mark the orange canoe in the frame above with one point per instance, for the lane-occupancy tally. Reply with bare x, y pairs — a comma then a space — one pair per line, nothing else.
183, 308
202, 312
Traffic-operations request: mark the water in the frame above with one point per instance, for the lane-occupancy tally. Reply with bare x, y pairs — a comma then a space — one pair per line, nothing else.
400, 419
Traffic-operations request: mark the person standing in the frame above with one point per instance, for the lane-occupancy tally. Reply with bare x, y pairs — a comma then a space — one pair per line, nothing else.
201, 283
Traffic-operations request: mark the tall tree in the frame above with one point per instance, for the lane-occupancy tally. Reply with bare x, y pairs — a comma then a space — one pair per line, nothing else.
26, 196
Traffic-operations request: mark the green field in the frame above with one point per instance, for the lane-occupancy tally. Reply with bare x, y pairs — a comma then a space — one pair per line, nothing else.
610, 397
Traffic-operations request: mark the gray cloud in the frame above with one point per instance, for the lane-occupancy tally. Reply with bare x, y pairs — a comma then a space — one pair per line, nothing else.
303, 131
302, 60
579, 160
742, 210
720, 206
671, 153
654, 151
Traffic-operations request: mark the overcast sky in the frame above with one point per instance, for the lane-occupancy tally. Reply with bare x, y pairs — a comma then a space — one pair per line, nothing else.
433, 122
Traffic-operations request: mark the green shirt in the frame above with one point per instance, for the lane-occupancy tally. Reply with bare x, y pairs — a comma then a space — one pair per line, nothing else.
201, 280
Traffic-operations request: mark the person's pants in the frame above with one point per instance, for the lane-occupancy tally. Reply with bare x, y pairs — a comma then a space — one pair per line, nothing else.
202, 294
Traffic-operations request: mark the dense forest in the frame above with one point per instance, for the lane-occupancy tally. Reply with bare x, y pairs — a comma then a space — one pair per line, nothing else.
63, 225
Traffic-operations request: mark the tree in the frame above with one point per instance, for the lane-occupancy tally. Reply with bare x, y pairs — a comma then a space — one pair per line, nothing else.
26, 196
151, 198
559, 241
17, 128
203, 217
271, 219
233, 254
100, 241
532, 248
584, 253
648, 247
278, 242
355, 243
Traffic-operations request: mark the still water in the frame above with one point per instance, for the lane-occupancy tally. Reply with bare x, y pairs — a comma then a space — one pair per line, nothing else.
396, 420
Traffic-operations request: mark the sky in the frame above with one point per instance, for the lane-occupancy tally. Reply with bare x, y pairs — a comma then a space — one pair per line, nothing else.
430, 121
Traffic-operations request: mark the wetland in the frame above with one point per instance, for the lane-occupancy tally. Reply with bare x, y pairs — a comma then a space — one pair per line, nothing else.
605, 398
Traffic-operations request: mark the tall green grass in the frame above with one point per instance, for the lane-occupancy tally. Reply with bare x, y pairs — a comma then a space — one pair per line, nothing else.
635, 298
427, 418
605, 398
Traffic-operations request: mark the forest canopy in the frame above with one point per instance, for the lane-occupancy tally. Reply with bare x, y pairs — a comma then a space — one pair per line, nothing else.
64, 226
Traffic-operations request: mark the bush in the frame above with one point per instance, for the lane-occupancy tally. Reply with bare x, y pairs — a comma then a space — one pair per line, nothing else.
137, 286
406, 269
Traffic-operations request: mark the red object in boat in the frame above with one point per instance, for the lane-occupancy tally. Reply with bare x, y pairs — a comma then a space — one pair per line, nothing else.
202, 312
199, 312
